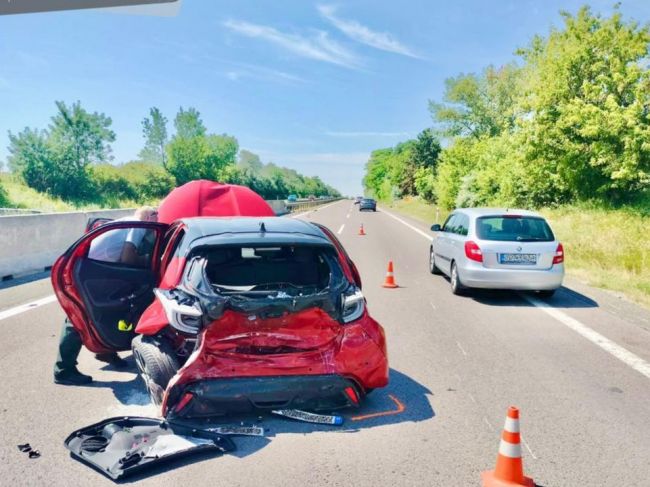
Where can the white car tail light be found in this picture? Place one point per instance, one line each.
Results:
(558, 258)
(353, 306)
(473, 251)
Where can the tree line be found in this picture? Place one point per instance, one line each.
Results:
(71, 159)
(569, 122)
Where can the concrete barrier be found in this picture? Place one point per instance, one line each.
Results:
(31, 243)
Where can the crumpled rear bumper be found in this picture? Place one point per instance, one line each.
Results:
(212, 397)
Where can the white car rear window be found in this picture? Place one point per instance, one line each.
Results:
(512, 228)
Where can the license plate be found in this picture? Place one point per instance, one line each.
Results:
(529, 259)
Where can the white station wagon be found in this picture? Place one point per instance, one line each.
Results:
(497, 249)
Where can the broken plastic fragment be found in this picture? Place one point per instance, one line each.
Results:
(309, 417)
(238, 430)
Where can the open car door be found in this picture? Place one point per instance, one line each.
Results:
(105, 281)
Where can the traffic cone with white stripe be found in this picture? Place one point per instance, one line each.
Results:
(390, 278)
(509, 471)
(361, 230)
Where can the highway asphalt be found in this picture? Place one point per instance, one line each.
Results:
(578, 372)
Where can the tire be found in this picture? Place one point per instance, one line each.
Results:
(156, 362)
(457, 287)
(433, 269)
(546, 293)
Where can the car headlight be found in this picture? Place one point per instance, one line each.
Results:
(354, 305)
(186, 318)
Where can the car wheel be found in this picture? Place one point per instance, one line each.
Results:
(157, 363)
(433, 269)
(547, 293)
(456, 287)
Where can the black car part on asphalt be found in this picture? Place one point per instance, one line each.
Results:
(122, 446)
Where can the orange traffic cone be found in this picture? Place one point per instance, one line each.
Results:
(509, 471)
(390, 279)
(361, 230)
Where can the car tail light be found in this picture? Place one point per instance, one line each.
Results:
(353, 306)
(184, 317)
(473, 251)
(558, 258)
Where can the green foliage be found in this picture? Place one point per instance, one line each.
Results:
(154, 130)
(272, 181)
(57, 160)
(149, 182)
(188, 124)
(4, 197)
(200, 157)
(571, 124)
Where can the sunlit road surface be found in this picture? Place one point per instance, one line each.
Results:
(457, 364)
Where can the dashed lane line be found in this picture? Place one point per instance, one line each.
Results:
(340, 229)
(8, 313)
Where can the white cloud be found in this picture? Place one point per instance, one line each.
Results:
(319, 47)
(360, 33)
(366, 134)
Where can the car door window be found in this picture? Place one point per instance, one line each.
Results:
(462, 225)
(450, 223)
(128, 246)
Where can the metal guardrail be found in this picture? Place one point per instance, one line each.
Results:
(301, 205)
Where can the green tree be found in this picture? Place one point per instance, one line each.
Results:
(588, 105)
(478, 105)
(154, 130)
(188, 124)
(426, 149)
(200, 157)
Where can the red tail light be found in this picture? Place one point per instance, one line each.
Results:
(559, 254)
(473, 251)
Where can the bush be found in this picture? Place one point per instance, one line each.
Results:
(111, 184)
(4, 198)
(148, 181)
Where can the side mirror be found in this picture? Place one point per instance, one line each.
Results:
(436, 228)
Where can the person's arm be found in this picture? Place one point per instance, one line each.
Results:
(130, 254)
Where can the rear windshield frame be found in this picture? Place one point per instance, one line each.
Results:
(548, 237)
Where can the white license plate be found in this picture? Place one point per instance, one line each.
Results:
(529, 259)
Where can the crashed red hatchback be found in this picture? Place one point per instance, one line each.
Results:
(233, 314)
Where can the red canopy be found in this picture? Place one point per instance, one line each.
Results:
(209, 198)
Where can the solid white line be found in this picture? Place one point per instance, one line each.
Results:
(461, 348)
(623, 354)
(341, 229)
(424, 234)
(8, 313)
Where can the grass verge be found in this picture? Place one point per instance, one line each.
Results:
(604, 247)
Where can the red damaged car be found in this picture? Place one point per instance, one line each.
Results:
(233, 314)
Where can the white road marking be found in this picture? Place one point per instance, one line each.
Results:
(527, 447)
(424, 234)
(621, 353)
(340, 229)
(347, 216)
(8, 313)
(432, 305)
(461, 348)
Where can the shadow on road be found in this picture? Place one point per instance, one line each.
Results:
(380, 408)
(563, 298)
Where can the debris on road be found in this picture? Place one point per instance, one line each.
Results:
(309, 417)
(237, 430)
(118, 447)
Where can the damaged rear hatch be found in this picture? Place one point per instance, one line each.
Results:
(270, 306)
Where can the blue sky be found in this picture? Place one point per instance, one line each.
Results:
(310, 85)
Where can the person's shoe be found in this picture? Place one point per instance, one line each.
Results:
(72, 377)
(112, 358)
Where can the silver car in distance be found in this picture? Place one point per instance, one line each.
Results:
(495, 248)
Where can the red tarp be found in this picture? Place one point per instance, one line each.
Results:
(209, 198)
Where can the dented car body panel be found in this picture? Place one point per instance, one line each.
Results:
(262, 313)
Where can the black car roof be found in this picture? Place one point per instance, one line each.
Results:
(238, 230)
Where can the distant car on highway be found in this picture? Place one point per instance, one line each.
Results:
(292, 198)
(497, 249)
(357, 200)
(367, 204)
